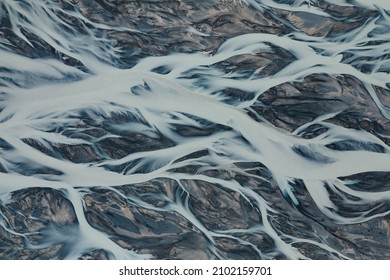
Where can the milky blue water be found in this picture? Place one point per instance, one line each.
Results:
(194, 129)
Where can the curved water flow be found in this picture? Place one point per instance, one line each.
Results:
(174, 129)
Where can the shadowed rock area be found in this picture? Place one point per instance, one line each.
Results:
(37, 213)
(206, 203)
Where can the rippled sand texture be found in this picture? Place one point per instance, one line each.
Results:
(254, 129)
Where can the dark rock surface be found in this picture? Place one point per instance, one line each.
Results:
(219, 222)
